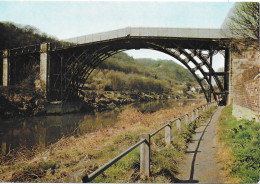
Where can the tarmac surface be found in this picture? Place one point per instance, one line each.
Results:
(200, 164)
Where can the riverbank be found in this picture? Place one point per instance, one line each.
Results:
(17, 102)
(60, 161)
(108, 100)
(20, 102)
(238, 142)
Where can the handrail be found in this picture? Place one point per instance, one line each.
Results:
(153, 134)
(114, 160)
(184, 115)
(170, 123)
(93, 175)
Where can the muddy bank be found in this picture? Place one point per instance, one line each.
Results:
(17, 103)
(14, 105)
(107, 100)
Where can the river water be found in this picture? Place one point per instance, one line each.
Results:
(44, 130)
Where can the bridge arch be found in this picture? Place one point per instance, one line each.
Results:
(80, 64)
(66, 65)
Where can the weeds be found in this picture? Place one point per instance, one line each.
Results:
(243, 139)
(58, 162)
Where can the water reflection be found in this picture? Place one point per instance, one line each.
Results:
(43, 131)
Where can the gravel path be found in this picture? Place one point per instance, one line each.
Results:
(200, 163)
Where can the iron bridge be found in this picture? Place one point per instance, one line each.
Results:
(66, 65)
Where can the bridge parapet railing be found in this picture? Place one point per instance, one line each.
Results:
(25, 50)
(145, 146)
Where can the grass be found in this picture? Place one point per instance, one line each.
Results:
(60, 161)
(164, 159)
(240, 142)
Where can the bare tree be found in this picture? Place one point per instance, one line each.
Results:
(242, 24)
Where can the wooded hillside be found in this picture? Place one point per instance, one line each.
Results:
(122, 72)
(14, 35)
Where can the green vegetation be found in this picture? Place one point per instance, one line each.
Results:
(243, 138)
(122, 79)
(123, 73)
(164, 159)
(13, 35)
(19, 100)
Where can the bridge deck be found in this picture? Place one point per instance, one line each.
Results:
(185, 36)
(149, 32)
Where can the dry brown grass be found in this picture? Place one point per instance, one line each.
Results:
(58, 162)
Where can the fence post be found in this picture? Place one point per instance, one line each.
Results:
(168, 134)
(196, 113)
(192, 116)
(186, 119)
(178, 124)
(145, 155)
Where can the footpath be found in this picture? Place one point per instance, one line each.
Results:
(200, 163)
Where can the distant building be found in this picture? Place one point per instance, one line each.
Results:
(193, 89)
(180, 91)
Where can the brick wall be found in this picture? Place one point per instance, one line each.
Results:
(253, 94)
(245, 80)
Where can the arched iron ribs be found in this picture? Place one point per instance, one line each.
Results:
(204, 58)
(79, 63)
(76, 66)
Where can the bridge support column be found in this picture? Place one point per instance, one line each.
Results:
(210, 73)
(6, 68)
(44, 68)
(228, 76)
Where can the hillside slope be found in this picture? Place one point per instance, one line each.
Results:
(14, 35)
(122, 72)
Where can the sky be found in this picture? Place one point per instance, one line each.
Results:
(66, 19)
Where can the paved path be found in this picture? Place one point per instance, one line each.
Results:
(199, 163)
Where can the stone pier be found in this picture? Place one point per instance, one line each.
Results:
(44, 59)
(6, 68)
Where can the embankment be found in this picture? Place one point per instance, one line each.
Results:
(15, 102)
(60, 161)
(239, 142)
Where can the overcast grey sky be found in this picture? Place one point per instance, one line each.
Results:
(69, 19)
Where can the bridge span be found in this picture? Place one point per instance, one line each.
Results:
(66, 65)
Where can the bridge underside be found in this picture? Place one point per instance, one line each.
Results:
(65, 67)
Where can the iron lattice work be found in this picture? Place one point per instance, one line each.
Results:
(70, 64)
(73, 65)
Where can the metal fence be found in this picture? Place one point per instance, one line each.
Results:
(145, 146)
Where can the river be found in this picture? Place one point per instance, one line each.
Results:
(42, 131)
